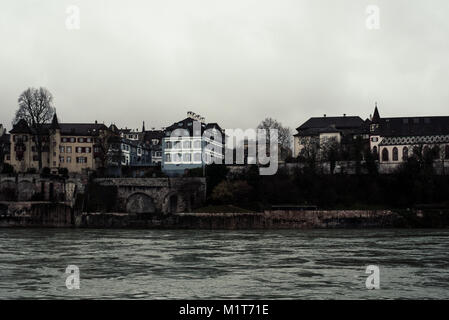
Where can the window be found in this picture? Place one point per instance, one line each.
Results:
(187, 157)
(405, 154)
(167, 157)
(61, 159)
(78, 149)
(69, 149)
(72, 139)
(374, 139)
(197, 157)
(385, 154)
(177, 145)
(35, 158)
(61, 149)
(186, 145)
(168, 145)
(89, 140)
(81, 160)
(69, 159)
(436, 152)
(395, 154)
(88, 150)
(81, 140)
(197, 144)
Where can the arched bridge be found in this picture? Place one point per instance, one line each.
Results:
(153, 196)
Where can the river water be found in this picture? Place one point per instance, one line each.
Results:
(200, 264)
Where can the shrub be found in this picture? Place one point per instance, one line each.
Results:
(45, 172)
(7, 168)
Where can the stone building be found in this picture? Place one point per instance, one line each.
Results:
(135, 153)
(4, 145)
(153, 141)
(74, 146)
(320, 130)
(394, 140)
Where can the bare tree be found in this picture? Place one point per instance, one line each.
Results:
(284, 135)
(108, 148)
(36, 108)
(310, 151)
(331, 152)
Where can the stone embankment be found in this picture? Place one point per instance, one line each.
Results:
(49, 214)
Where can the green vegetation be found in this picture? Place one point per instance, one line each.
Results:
(413, 184)
(7, 168)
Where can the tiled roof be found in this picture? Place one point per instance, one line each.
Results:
(79, 129)
(345, 122)
(414, 126)
(21, 127)
(187, 124)
(153, 134)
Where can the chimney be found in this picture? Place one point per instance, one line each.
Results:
(325, 115)
(344, 114)
(96, 122)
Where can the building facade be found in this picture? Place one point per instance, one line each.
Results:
(394, 140)
(4, 145)
(153, 141)
(74, 146)
(191, 143)
(318, 131)
(135, 153)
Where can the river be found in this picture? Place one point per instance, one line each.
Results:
(203, 264)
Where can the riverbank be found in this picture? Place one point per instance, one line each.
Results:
(48, 214)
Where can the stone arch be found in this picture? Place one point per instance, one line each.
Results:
(26, 190)
(8, 190)
(140, 203)
(172, 202)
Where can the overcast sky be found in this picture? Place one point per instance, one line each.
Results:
(234, 62)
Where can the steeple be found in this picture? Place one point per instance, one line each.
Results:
(376, 116)
(143, 126)
(54, 122)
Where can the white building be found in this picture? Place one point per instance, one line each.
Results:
(191, 143)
